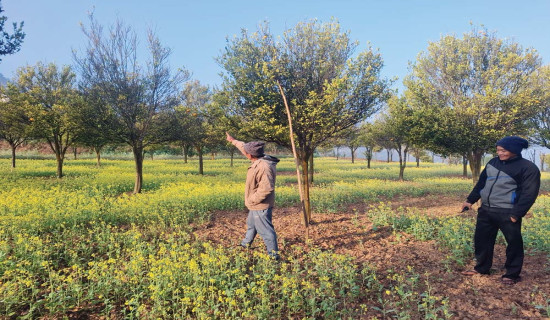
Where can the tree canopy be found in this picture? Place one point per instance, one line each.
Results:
(139, 97)
(10, 43)
(328, 87)
(54, 106)
(473, 90)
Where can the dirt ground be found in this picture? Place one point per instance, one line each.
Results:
(475, 297)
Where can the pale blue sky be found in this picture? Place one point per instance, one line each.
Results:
(196, 30)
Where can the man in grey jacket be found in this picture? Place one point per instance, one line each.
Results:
(507, 187)
(259, 196)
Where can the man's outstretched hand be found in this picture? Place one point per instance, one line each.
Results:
(229, 137)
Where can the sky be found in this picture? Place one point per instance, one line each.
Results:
(197, 31)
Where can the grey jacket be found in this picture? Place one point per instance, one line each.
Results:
(510, 187)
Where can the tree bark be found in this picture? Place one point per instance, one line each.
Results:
(352, 155)
(199, 151)
(368, 155)
(57, 147)
(231, 165)
(418, 162)
(305, 186)
(138, 158)
(475, 158)
(74, 152)
(305, 219)
(402, 162)
(310, 171)
(13, 147)
(388, 153)
(465, 166)
(98, 156)
(59, 157)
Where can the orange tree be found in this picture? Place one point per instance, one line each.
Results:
(473, 91)
(329, 87)
(140, 98)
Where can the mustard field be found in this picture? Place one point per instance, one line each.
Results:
(82, 246)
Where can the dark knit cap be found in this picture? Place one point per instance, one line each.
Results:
(514, 144)
(255, 148)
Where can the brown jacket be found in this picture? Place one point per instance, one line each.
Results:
(259, 192)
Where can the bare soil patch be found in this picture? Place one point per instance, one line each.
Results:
(476, 297)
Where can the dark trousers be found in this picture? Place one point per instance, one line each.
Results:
(488, 224)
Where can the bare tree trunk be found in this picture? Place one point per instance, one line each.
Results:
(13, 147)
(402, 163)
(75, 152)
(59, 158)
(533, 155)
(352, 155)
(98, 156)
(212, 156)
(310, 171)
(368, 155)
(475, 158)
(201, 167)
(465, 166)
(57, 147)
(137, 149)
(418, 161)
(542, 156)
(305, 216)
(337, 152)
(185, 149)
(306, 185)
(232, 155)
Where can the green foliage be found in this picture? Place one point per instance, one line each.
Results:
(138, 101)
(327, 89)
(472, 91)
(393, 129)
(14, 120)
(313, 67)
(53, 106)
(10, 43)
(407, 297)
(452, 233)
(540, 124)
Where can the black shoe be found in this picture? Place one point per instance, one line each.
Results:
(276, 258)
(243, 246)
(510, 281)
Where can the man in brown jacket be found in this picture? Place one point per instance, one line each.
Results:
(259, 195)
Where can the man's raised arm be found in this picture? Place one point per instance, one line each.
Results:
(236, 143)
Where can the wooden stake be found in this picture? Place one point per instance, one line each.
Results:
(305, 218)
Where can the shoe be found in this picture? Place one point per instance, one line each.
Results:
(472, 272)
(242, 246)
(509, 281)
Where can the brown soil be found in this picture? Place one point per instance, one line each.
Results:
(475, 297)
